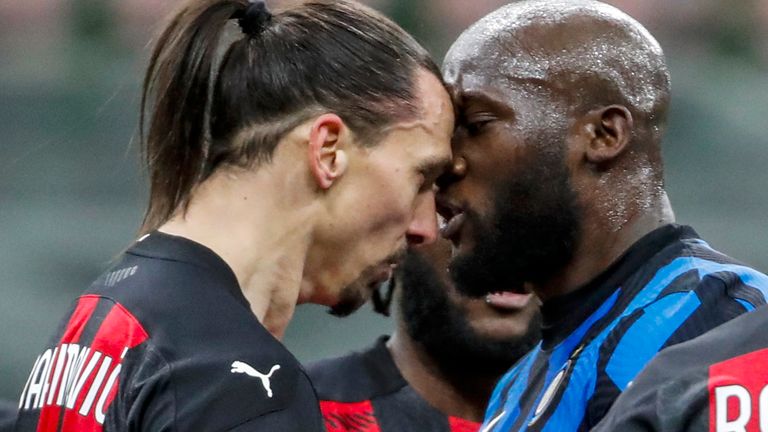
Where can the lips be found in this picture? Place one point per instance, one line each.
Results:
(453, 219)
(452, 228)
(508, 300)
(381, 274)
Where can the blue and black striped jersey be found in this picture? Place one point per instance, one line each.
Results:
(716, 382)
(668, 288)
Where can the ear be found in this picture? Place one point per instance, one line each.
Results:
(327, 160)
(608, 133)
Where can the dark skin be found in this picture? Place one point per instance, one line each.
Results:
(464, 393)
(465, 398)
(612, 148)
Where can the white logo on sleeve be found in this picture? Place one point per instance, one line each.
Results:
(245, 368)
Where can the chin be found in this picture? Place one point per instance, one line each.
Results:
(501, 328)
(350, 299)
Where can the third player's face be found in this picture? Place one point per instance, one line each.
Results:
(461, 334)
(496, 316)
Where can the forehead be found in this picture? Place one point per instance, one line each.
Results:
(434, 126)
(473, 86)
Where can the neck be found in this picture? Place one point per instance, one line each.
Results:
(598, 247)
(464, 396)
(261, 230)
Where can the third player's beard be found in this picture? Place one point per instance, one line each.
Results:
(531, 233)
(441, 327)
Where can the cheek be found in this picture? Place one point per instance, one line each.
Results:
(387, 210)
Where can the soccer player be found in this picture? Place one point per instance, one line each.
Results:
(291, 163)
(438, 369)
(557, 186)
(716, 382)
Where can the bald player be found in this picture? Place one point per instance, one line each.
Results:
(557, 186)
(438, 369)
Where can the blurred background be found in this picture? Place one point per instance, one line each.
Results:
(72, 192)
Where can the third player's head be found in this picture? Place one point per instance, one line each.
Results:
(332, 93)
(561, 108)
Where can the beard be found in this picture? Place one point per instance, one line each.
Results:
(530, 234)
(350, 300)
(440, 326)
(356, 294)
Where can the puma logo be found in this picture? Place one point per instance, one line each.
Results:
(245, 368)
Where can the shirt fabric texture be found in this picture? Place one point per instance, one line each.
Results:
(166, 341)
(716, 382)
(668, 288)
(365, 392)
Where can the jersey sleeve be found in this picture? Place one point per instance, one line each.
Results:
(660, 400)
(210, 393)
(708, 383)
(675, 317)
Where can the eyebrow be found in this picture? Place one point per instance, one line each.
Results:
(433, 167)
(478, 96)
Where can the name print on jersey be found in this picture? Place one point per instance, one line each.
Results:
(74, 382)
(738, 394)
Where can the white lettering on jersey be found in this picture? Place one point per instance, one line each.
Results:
(37, 379)
(81, 374)
(60, 359)
(245, 368)
(65, 371)
(739, 423)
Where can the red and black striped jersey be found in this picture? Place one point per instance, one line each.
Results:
(166, 341)
(716, 382)
(365, 392)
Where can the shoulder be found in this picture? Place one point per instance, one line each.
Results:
(679, 387)
(701, 282)
(216, 373)
(357, 376)
(707, 263)
(220, 387)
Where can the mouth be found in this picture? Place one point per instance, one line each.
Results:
(451, 220)
(382, 273)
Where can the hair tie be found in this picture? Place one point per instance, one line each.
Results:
(254, 19)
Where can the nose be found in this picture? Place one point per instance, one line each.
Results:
(423, 227)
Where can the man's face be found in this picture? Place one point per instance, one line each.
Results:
(385, 201)
(513, 216)
(462, 333)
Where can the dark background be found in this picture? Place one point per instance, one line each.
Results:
(71, 192)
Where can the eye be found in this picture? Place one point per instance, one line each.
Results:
(475, 128)
(475, 123)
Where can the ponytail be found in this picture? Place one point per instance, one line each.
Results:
(176, 95)
(319, 56)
